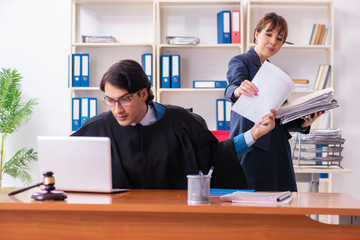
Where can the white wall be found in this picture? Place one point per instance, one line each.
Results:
(347, 85)
(35, 40)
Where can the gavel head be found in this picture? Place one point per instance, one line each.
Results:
(49, 181)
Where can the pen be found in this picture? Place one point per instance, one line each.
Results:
(210, 171)
(283, 196)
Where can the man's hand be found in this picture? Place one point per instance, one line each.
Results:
(265, 125)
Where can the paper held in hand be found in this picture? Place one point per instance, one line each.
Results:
(274, 86)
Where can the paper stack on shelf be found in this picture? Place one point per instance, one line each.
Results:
(177, 40)
(319, 147)
(318, 101)
(97, 39)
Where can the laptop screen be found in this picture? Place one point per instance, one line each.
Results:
(78, 163)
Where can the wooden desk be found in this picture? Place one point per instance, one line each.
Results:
(156, 214)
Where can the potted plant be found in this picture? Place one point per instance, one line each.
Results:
(13, 114)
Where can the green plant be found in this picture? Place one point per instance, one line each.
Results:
(13, 114)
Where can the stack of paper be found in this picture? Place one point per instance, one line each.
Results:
(325, 133)
(97, 39)
(318, 101)
(182, 40)
(258, 197)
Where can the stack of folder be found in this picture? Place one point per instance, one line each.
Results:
(318, 101)
(223, 111)
(228, 26)
(83, 108)
(80, 70)
(170, 71)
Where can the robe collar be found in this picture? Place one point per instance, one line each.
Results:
(154, 113)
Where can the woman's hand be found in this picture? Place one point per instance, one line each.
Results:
(308, 120)
(246, 88)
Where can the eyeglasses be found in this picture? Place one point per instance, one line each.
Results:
(122, 101)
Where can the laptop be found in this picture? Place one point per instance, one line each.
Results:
(79, 164)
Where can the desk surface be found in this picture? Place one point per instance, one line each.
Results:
(172, 201)
(164, 214)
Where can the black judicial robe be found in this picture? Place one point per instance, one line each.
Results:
(159, 156)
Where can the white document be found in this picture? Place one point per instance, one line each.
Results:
(274, 87)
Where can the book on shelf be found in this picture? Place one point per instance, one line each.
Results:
(301, 84)
(283, 197)
(319, 34)
(300, 81)
(322, 77)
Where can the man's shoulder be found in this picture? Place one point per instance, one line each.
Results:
(181, 114)
(99, 119)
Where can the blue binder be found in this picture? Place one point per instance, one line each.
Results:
(224, 26)
(84, 107)
(209, 84)
(76, 114)
(146, 61)
(227, 115)
(92, 107)
(84, 70)
(220, 114)
(175, 71)
(76, 70)
(165, 71)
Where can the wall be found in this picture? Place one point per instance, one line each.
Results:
(35, 40)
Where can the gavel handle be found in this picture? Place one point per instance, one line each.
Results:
(24, 189)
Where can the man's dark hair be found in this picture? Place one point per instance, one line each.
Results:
(128, 74)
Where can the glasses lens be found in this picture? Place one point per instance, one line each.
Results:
(125, 101)
(109, 102)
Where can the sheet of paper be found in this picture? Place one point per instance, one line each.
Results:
(274, 87)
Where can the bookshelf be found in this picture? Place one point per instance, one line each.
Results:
(148, 22)
(205, 61)
(110, 18)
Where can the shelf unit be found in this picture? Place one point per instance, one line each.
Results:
(148, 22)
(205, 61)
(110, 18)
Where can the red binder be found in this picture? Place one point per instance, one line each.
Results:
(235, 26)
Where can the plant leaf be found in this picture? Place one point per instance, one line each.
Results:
(18, 165)
(13, 114)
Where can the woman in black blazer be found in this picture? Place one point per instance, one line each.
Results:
(268, 167)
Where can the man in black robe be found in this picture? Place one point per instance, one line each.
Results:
(155, 146)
